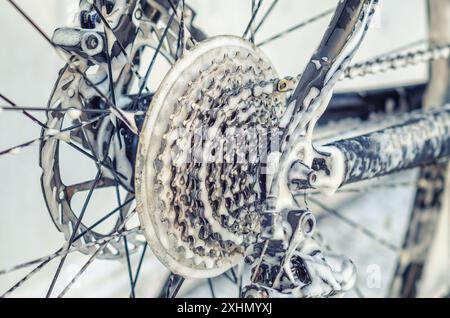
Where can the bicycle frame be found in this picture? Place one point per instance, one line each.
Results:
(419, 141)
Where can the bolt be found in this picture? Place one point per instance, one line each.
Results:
(308, 224)
(249, 260)
(282, 84)
(91, 42)
(138, 14)
(312, 178)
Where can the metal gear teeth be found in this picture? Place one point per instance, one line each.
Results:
(210, 97)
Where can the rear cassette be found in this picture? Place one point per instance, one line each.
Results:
(200, 210)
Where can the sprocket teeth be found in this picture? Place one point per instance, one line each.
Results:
(211, 208)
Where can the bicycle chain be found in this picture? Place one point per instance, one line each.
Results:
(378, 65)
(398, 61)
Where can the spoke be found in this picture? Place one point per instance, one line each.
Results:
(107, 216)
(172, 5)
(234, 275)
(25, 278)
(116, 183)
(61, 252)
(250, 25)
(81, 271)
(232, 279)
(397, 50)
(158, 48)
(211, 288)
(181, 43)
(45, 260)
(266, 244)
(174, 284)
(125, 241)
(296, 27)
(97, 161)
(24, 111)
(52, 133)
(84, 123)
(266, 15)
(111, 78)
(370, 188)
(74, 232)
(357, 226)
(240, 280)
(138, 270)
(16, 149)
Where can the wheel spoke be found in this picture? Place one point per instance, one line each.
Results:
(356, 226)
(60, 252)
(25, 278)
(174, 284)
(97, 161)
(24, 111)
(61, 135)
(175, 11)
(266, 15)
(234, 275)
(232, 279)
(64, 252)
(74, 232)
(155, 54)
(125, 241)
(211, 288)
(82, 270)
(370, 188)
(110, 72)
(138, 270)
(296, 27)
(250, 25)
(399, 49)
(181, 43)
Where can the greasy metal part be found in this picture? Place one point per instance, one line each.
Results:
(310, 272)
(428, 202)
(200, 212)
